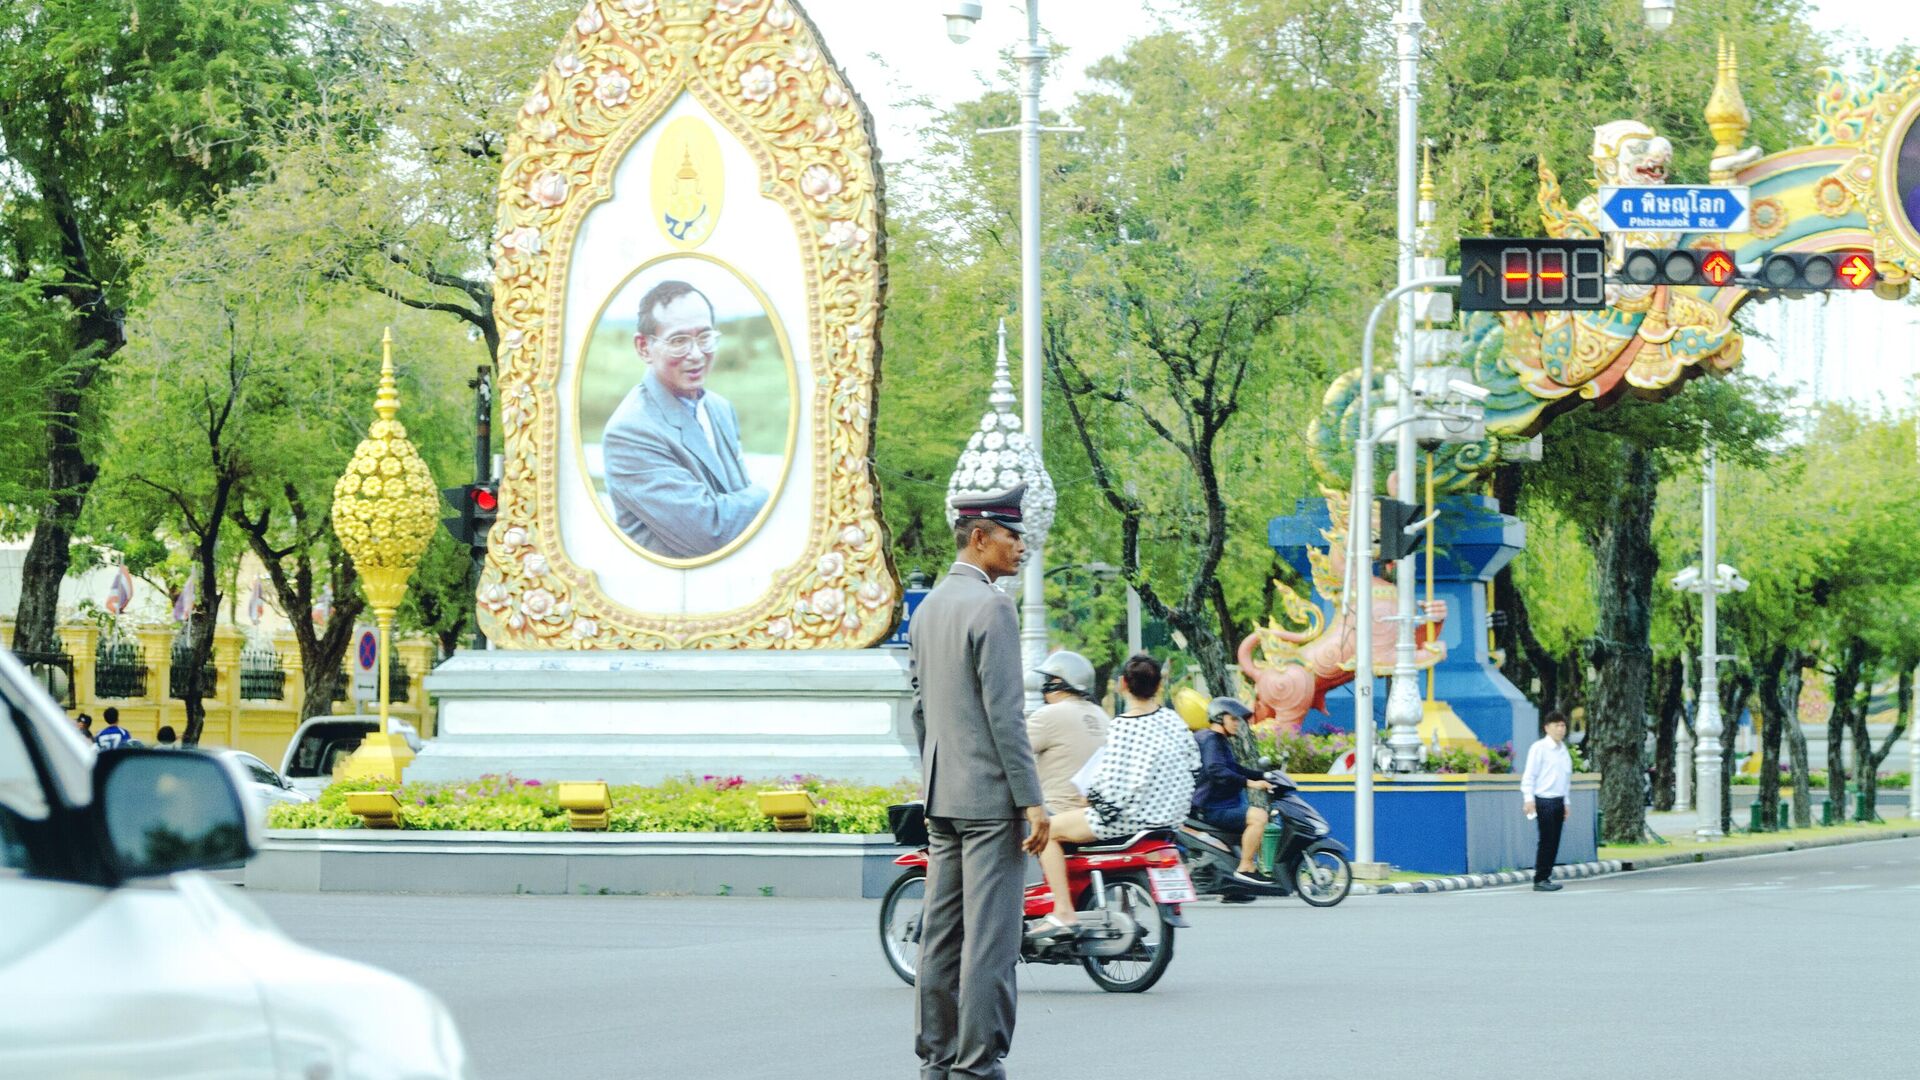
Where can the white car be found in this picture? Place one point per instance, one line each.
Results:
(266, 786)
(117, 960)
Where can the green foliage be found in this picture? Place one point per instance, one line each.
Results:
(687, 804)
(1556, 576)
(1306, 754)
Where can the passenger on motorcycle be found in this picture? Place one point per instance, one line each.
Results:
(1143, 780)
(1067, 729)
(1220, 797)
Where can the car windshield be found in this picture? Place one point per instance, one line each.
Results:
(258, 770)
(20, 791)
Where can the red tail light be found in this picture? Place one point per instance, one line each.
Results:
(1164, 856)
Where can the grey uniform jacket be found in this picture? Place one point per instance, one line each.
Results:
(673, 492)
(968, 698)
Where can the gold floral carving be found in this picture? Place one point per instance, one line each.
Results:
(1768, 217)
(1870, 176)
(757, 66)
(1832, 198)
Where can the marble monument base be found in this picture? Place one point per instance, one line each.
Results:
(641, 717)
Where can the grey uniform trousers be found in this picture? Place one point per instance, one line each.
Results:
(969, 948)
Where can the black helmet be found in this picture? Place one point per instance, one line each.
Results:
(1226, 706)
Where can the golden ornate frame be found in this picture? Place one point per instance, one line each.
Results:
(793, 407)
(757, 66)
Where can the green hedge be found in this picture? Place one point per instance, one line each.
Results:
(687, 804)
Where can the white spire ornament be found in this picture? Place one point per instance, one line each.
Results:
(999, 455)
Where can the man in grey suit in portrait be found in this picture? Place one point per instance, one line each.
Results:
(980, 783)
(672, 448)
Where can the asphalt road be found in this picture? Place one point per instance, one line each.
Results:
(1797, 965)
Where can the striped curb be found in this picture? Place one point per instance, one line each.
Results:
(1486, 881)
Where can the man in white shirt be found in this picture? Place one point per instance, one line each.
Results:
(1545, 785)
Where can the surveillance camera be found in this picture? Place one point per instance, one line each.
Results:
(1471, 391)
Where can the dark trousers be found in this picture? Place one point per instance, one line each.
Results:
(1551, 814)
(969, 948)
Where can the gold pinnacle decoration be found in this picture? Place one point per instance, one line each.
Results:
(1426, 173)
(1486, 208)
(686, 24)
(385, 508)
(1727, 115)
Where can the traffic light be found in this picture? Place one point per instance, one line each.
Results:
(1815, 272)
(476, 506)
(1783, 272)
(1399, 528)
(1677, 266)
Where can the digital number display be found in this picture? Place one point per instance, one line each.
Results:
(1530, 274)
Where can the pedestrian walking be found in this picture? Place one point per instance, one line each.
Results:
(979, 781)
(1545, 786)
(84, 722)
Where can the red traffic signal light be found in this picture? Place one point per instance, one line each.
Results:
(484, 499)
(1717, 268)
(1857, 270)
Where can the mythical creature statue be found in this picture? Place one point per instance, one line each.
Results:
(1292, 670)
(1650, 334)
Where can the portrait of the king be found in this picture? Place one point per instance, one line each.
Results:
(691, 379)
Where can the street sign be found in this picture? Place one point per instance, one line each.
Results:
(1532, 274)
(1672, 208)
(366, 666)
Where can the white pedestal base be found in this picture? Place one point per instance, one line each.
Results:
(641, 717)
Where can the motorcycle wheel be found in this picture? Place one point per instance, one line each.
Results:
(1141, 966)
(1323, 878)
(900, 913)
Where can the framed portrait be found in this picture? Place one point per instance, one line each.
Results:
(690, 274)
(686, 395)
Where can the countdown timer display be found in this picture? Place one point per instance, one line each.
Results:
(1532, 274)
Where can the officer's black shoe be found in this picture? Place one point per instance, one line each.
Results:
(1547, 886)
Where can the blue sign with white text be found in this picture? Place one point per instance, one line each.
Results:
(909, 599)
(1673, 208)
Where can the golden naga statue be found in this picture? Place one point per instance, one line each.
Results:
(1650, 334)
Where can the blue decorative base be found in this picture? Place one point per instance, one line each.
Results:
(1474, 542)
(1454, 824)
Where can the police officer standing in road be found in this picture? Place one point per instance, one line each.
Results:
(979, 780)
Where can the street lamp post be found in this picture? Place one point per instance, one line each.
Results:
(961, 16)
(1708, 727)
(1403, 695)
(1359, 590)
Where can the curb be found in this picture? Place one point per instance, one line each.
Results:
(1614, 866)
(1777, 847)
(1487, 881)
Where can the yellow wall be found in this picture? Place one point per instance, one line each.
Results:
(261, 728)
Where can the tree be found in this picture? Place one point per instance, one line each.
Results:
(271, 366)
(109, 108)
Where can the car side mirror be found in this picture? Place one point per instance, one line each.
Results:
(161, 812)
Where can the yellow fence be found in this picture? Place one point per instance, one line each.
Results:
(261, 727)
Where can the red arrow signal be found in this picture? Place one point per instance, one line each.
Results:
(1857, 270)
(1717, 268)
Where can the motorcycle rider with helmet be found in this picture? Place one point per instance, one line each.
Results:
(1220, 795)
(1067, 729)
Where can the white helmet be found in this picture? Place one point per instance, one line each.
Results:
(1067, 668)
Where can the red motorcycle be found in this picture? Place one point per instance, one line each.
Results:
(1128, 894)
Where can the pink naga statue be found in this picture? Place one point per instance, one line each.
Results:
(1292, 670)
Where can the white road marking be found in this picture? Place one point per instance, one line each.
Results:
(1842, 888)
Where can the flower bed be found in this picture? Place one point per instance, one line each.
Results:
(1313, 755)
(688, 804)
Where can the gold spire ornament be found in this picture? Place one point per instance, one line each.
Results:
(1727, 116)
(385, 508)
